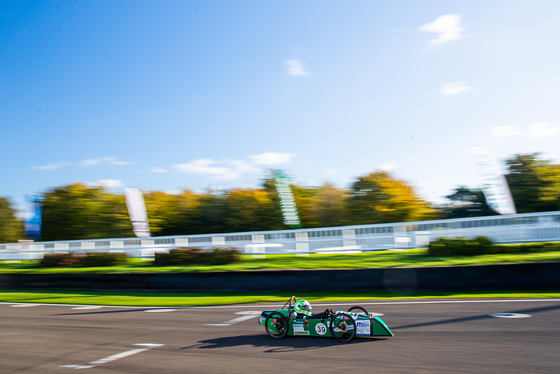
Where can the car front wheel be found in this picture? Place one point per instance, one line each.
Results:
(276, 325)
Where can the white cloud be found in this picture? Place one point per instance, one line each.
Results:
(505, 131)
(104, 160)
(158, 170)
(542, 130)
(454, 88)
(242, 166)
(232, 169)
(205, 166)
(53, 166)
(536, 130)
(296, 68)
(388, 166)
(447, 27)
(107, 183)
(271, 158)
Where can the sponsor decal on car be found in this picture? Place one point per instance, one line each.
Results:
(321, 329)
(298, 328)
(301, 332)
(363, 328)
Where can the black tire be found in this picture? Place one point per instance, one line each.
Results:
(342, 327)
(276, 325)
(361, 309)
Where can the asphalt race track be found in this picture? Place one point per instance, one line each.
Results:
(430, 337)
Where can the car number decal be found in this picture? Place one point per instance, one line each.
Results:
(321, 329)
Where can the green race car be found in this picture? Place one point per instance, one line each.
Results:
(341, 325)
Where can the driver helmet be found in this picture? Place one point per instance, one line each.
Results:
(302, 306)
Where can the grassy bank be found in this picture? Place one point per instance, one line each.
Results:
(381, 259)
(183, 299)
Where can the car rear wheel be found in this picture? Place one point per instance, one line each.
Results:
(358, 309)
(343, 327)
(276, 325)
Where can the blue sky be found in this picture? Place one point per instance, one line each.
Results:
(171, 95)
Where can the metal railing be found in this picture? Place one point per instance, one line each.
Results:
(515, 228)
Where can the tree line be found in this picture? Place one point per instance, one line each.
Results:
(78, 211)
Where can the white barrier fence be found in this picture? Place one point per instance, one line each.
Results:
(515, 228)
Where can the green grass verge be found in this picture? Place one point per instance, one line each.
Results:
(381, 259)
(182, 299)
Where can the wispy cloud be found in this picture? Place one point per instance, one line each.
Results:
(388, 166)
(271, 158)
(107, 183)
(447, 28)
(296, 68)
(536, 130)
(208, 167)
(542, 130)
(241, 166)
(506, 131)
(158, 170)
(103, 160)
(53, 166)
(454, 88)
(232, 169)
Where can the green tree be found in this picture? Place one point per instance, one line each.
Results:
(80, 212)
(380, 198)
(11, 228)
(466, 202)
(534, 183)
(208, 215)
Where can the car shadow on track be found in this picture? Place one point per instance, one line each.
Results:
(270, 345)
(474, 318)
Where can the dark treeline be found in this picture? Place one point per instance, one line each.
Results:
(80, 212)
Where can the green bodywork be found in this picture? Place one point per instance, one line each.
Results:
(365, 325)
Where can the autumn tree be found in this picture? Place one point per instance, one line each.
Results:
(327, 207)
(168, 213)
(250, 210)
(380, 198)
(303, 197)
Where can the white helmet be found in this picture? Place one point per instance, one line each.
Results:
(302, 306)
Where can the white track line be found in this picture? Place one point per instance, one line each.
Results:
(235, 320)
(114, 357)
(240, 306)
(86, 307)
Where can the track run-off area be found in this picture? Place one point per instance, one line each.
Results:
(431, 336)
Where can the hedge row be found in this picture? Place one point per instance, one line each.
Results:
(88, 259)
(483, 246)
(192, 256)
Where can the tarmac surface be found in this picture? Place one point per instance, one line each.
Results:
(462, 336)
